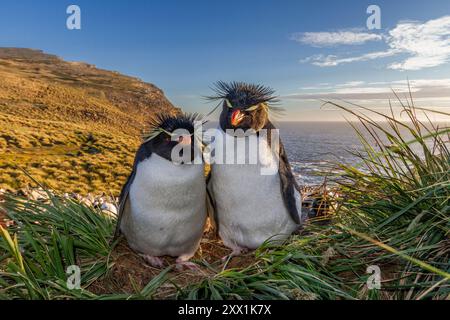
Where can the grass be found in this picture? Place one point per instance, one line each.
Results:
(53, 237)
(391, 211)
(400, 202)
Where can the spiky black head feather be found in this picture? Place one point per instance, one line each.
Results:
(164, 136)
(170, 123)
(243, 95)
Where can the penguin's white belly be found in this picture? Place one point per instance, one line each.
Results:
(250, 207)
(167, 210)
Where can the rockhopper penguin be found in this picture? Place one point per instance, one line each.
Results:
(162, 210)
(250, 207)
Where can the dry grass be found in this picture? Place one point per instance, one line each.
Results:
(69, 124)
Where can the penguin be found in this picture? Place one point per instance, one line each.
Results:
(162, 207)
(250, 207)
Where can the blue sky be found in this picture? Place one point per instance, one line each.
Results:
(306, 50)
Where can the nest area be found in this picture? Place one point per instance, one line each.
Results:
(130, 271)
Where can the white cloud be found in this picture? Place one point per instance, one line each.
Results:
(325, 39)
(372, 90)
(327, 86)
(428, 44)
(351, 84)
(332, 60)
(417, 83)
(421, 88)
(425, 44)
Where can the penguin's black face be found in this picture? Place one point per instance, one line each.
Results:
(245, 106)
(245, 118)
(174, 131)
(163, 145)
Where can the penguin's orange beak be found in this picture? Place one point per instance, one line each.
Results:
(186, 140)
(236, 117)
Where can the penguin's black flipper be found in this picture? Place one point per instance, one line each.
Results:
(122, 202)
(288, 185)
(144, 152)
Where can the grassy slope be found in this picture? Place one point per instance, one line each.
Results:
(71, 125)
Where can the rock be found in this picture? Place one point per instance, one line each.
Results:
(38, 195)
(316, 202)
(3, 221)
(90, 198)
(9, 223)
(327, 255)
(103, 203)
(86, 202)
(110, 208)
(107, 207)
(76, 196)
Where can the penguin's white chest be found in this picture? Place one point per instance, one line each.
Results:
(249, 204)
(167, 210)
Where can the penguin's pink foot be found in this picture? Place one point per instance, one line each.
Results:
(237, 251)
(155, 262)
(182, 265)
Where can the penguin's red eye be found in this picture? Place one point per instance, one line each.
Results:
(185, 140)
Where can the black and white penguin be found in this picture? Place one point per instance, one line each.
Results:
(251, 207)
(162, 210)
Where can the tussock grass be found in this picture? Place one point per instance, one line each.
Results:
(391, 211)
(399, 203)
(47, 239)
(295, 270)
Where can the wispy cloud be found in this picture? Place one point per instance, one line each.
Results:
(325, 39)
(352, 84)
(357, 90)
(332, 60)
(424, 44)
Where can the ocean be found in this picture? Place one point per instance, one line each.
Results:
(313, 146)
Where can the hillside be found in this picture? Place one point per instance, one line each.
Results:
(72, 126)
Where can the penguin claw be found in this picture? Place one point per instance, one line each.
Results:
(155, 262)
(181, 265)
(236, 252)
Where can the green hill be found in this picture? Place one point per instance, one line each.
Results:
(72, 126)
